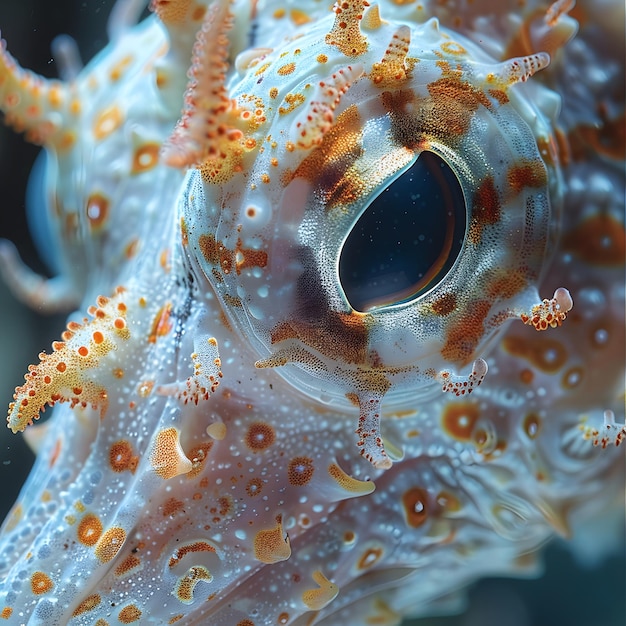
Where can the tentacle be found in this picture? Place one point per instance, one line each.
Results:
(550, 313)
(46, 295)
(37, 106)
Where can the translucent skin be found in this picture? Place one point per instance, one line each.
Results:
(253, 504)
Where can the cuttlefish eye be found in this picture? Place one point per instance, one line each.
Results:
(408, 237)
(371, 228)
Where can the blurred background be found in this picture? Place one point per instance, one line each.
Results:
(568, 593)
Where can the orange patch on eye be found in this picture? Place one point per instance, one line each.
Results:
(527, 174)
(464, 334)
(444, 305)
(485, 209)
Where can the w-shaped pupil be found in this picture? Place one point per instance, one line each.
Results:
(407, 239)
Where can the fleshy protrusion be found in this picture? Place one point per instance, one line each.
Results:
(520, 69)
(321, 596)
(610, 433)
(346, 33)
(64, 375)
(37, 106)
(209, 133)
(46, 295)
(550, 313)
(392, 68)
(206, 374)
(370, 441)
(464, 385)
(317, 119)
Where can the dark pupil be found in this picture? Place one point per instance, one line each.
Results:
(407, 239)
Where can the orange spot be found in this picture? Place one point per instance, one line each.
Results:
(286, 69)
(88, 604)
(55, 453)
(107, 122)
(89, 529)
(110, 544)
(526, 376)
(161, 324)
(415, 502)
(83, 351)
(300, 471)
(145, 388)
(128, 564)
(459, 419)
(7, 611)
(260, 436)
(164, 260)
(254, 487)
(120, 67)
(40, 583)
(121, 457)
(129, 614)
(572, 377)
(191, 548)
(145, 158)
(369, 558)
(171, 506)
(184, 233)
(97, 210)
(532, 425)
(131, 248)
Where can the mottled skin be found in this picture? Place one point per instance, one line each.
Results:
(201, 464)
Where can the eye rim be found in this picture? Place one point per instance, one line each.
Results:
(461, 171)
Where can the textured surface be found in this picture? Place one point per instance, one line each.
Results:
(168, 460)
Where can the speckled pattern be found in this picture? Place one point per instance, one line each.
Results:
(201, 464)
